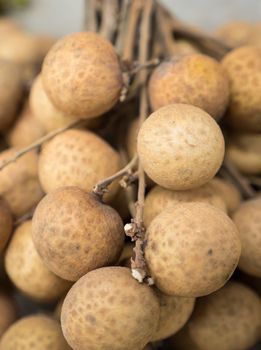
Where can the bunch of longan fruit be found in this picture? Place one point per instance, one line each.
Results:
(83, 266)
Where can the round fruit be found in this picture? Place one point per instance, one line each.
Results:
(19, 184)
(228, 319)
(27, 271)
(160, 198)
(192, 249)
(248, 221)
(243, 66)
(6, 223)
(118, 312)
(44, 111)
(75, 233)
(236, 33)
(82, 75)
(7, 25)
(184, 47)
(174, 313)
(193, 79)
(8, 312)
(180, 147)
(77, 158)
(34, 332)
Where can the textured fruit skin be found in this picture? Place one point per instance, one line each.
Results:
(8, 312)
(243, 67)
(6, 223)
(174, 313)
(113, 306)
(27, 271)
(193, 79)
(248, 221)
(77, 158)
(34, 332)
(11, 89)
(180, 147)
(74, 233)
(159, 198)
(82, 76)
(19, 184)
(192, 249)
(228, 319)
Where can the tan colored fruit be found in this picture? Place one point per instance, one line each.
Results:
(44, 111)
(113, 306)
(228, 319)
(77, 158)
(192, 249)
(26, 129)
(75, 233)
(229, 193)
(244, 152)
(7, 25)
(6, 223)
(174, 313)
(248, 221)
(19, 184)
(194, 79)
(243, 67)
(11, 85)
(159, 198)
(82, 75)
(27, 271)
(184, 47)
(8, 312)
(180, 147)
(236, 33)
(126, 254)
(44, 44)
(34, 332)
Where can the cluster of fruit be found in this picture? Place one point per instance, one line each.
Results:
(62, 242)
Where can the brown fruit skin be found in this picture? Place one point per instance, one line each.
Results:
(228, 319)
(113, 306)
(235, 33)
(77, 158)
(82, 75)
(11, 89)
(19, 184)
(8, 312)
(192, 249)
(174, 313)
(248, 221)
(34, 332)
(44, 111)
(6, 223)
(193, 79)
(74, 233)
(27, 271)
(159, 198)
(184, 47)
(243, 67)
(180, 147)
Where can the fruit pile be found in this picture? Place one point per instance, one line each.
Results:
(130, 171)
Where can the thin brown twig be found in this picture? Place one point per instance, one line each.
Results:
(165, 31)
(109, 19)
(123, 20)
(90, 16)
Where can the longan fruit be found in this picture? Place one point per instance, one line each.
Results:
(44, 111)
(248, 221)
(174, 313)
(180, 147)
(159, 198)
(194, 79)
(77, 158)
(244, 151)
(75, 233)
(7, 25)
(184, 47)
(243, 67)
(26, 129)
(39, 332)
(228, 319)
(82, 75)
(6, 223)
(19, 184)
(8, 311)
(230, 194)
(11, 90)
(235, 33)
(119, 313)
(27, 271)
(192, 249)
